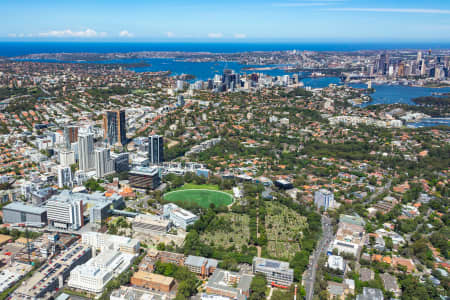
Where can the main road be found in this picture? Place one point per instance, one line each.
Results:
(322, 246)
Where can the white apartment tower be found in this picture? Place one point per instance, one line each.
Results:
(104, 165)
(64, 177)
(324, 198)
(86, 151)
(66, 158)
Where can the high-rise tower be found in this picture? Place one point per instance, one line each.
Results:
(86, 151)
(156, 149)
(114, 126)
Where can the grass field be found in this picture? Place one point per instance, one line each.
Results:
(235, 233)
(203, 197)
(192, 186)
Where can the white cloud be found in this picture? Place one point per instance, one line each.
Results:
(170, 34)
(215, 35)
(88, 33)
(240, 36)
(18, 35)
(393, 10)
(125, 33)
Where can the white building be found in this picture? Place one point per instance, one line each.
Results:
(275, 271)
(104, 165)
(95, 274)
(86, 151)
(345, 247)
(336, 262)
(324, 198)
(105, 241)
(180, 217)
(64, 177)
(66, 158)
(65, 213)
(89, 278)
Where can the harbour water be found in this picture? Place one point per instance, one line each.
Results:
(384, 93)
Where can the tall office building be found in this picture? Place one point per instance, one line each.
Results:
(114, 126)
(383, 64)
(64, 177)
(156, 149)
(86, 151)
(423, 68)
(70, 135)
(104, 165)
(419, 56)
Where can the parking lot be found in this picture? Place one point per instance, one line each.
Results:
(47, 277)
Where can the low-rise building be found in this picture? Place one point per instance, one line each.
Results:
(152, 281)
(171, 257)
(17, 212)
(229, 284)
(180, 217)
(144, 178)
(336, 262)
(276, 272)
(97, 272)
(150, 223)
(130, 293)
(370, 294)
(201, 266)
(105, 241)
(350, 239)
(283, 184)
(89, 278)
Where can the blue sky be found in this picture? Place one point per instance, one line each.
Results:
(218, 20)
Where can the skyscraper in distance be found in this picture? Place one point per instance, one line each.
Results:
(156, 149)
(115, 127)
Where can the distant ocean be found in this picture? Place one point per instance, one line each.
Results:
(11, 49)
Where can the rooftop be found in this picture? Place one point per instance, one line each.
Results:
(145, 171)
(271, 264)
(153, 277)
(220, 280)
(151, 219)
(18, 206)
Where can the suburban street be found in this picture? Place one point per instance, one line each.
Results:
(323, 244)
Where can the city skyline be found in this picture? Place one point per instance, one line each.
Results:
(197, 21)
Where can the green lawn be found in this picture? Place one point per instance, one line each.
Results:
(192, 186)
(203, 197)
